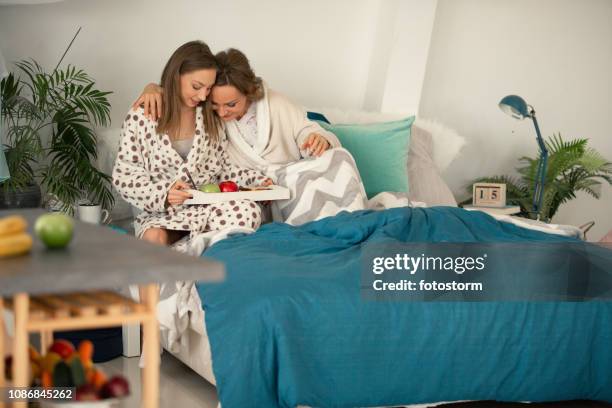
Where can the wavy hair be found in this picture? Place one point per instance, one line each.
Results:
(234, 69)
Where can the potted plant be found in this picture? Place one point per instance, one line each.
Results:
(572, 167)
(49, 120)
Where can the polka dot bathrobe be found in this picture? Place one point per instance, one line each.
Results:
(147, 166)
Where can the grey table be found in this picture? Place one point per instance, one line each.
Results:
(98, 258)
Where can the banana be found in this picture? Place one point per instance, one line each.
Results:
(12, 224)
(16, 244)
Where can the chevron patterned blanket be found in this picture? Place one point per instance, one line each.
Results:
(320, 187)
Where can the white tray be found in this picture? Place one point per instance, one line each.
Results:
(269, 194)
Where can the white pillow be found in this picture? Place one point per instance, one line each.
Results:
(447, 143)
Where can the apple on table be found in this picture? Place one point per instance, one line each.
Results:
(54, 229)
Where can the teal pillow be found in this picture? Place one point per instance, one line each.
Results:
(380, 151)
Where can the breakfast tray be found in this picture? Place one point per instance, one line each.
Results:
(270, 193)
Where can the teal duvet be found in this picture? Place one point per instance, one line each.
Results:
(289, 326)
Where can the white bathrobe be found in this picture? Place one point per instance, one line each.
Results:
(282, 128)
(319, 187)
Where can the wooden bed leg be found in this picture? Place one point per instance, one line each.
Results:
(150, 376)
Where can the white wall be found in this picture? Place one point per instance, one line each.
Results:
(557, 54)
(398, 62)
(319, 53)
(299, 47)
(413, 21)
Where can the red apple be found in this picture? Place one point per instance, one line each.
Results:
(62, 347)
(116, 387)
(228, 187)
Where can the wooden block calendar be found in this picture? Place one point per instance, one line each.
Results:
(489, 194)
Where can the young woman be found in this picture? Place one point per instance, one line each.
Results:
(158, 161)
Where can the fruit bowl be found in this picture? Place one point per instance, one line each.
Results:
(67, 366)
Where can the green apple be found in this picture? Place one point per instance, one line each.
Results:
(54, 229)
(210, 188)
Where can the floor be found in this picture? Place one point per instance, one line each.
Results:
(180, 387)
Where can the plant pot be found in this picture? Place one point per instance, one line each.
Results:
(29, 197)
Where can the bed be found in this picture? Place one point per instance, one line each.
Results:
(286, 333)
(322, 386)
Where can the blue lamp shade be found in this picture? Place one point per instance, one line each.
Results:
(514, 106)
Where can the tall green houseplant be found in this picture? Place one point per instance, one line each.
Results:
(573, 166)
(49, 118)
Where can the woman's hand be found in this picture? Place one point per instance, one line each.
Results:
(267, 182)
(316, 144)
(151, 98)
(177, 195)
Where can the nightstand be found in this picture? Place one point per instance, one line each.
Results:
(507, 210)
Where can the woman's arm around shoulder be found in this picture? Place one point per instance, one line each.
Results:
(151, 100)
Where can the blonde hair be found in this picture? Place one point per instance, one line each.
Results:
(189, 57)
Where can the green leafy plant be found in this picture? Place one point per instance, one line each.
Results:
(572, 167)
(49, 120)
